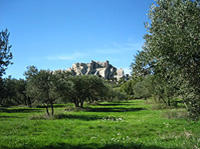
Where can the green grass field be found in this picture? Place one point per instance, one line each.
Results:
(117, 125)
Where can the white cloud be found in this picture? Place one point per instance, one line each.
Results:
(106, 52)
(117, 48)
(72, 56)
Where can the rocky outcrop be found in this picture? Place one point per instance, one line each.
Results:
(101, 69)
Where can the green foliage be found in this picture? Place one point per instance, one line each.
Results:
(5, 54)
(31, 72)
(46, 87)
(151, 81)
(13, 92)
(173, 42)
(2, 91)
(127, 87)
(44, 84)
(165, 91)
(64, 86)
(5, 59)
(115, 94)
(42, 87)
(171, 51)
(138, 87)
(142, 65)
(144, 88)
(87, 87)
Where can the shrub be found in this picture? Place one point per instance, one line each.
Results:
(176, 114)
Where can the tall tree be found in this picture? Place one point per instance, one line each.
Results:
(173, 44)
(5, 54)
(5, 57)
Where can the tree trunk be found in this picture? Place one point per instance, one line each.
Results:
(91, 100)
(29, 102)
(52, 109)
(169, 102)
(25, 101)
(81, 104)
(47, 110)
(76, 103)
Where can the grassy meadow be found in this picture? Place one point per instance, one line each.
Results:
(132, 124)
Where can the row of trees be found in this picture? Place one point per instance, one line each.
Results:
(171, 53)
(45, 87)
(48, 87)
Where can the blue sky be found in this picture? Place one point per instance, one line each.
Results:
(54, 34)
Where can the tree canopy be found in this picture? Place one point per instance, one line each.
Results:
(5, 53)
(172, 49)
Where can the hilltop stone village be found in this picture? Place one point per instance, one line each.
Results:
(101, 69)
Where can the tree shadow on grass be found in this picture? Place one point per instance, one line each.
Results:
(115, 104)
(79, 117)
(113, 109)
(5, 117)
(92, 146)
(19, 110)
(55, 106)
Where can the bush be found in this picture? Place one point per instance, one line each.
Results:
(116, 95)
(176, 114)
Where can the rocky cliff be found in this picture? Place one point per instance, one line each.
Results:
(101, 69)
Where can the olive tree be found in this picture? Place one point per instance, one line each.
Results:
(41, 86)
(173, 44)
(44, 83)
(87, 88)
(45, 86)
